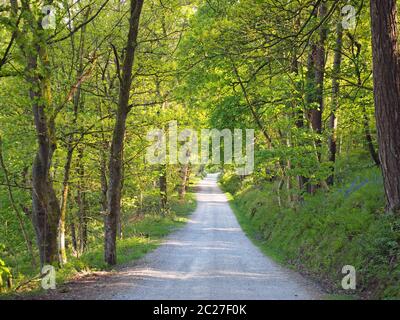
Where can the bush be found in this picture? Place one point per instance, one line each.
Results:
(5, 276)
(231, 182)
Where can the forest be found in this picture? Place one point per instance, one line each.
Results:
(83, 82)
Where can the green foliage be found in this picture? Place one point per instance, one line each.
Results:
(5, 273)
(82, 74)
(231, 183)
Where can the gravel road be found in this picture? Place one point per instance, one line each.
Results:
(210, 258)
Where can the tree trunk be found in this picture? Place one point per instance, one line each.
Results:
(184, 180)
(64, 200)
(163, 189)
(115, 165)
(315, 84)
(298, 111)
(368, 137)
(337, 61)
(114, 188)
(104, 184)
(45, 207)
(104, 145)
(81, 201)
(386, 68)
(73, 237)
(309, 100)
(316, 113)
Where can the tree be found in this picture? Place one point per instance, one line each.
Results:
(386, 69)
(332, 143)
(117, 144)
(45, 207)
(316, 76)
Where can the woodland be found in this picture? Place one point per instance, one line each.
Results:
(82, 82)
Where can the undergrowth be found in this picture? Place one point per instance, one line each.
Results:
(346, 225)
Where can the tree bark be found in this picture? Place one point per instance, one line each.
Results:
(368, 137)
(316, 113)
(298, 111)
(184, 173)
(315, 83)
(64, 200)
(45, 207)
(73, 237)
(337, 61)
(81, 201)
(115, 164)
(386, 69)
(162, 181)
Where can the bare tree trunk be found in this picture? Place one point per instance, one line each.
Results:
(115, 165)
(387, 95)
(337, 61)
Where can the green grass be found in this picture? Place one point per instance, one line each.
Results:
(345, 226)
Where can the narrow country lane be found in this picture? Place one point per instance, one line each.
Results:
(210, 258)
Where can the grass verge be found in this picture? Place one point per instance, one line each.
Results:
(345, 226)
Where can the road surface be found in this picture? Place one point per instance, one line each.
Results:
(209, 258)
